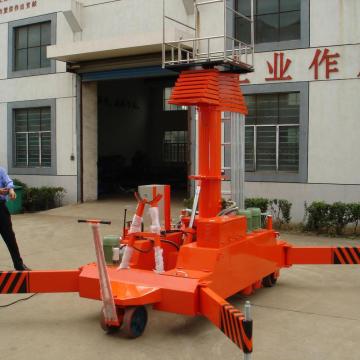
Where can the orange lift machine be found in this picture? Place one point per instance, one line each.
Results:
(192, 267)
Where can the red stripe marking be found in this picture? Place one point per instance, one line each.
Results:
(348, 258)
(2, 277)
(19, 283)
(247, 341)
(9, 282)
(353, 252)
(227, 321)
(354, 259)
(339, 256)
(238, 318)
(233, 325)
(357, 251)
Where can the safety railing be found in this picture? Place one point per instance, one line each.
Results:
(217, 49)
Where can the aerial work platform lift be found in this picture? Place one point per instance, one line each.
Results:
(193, 266)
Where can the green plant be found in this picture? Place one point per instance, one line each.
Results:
(285, 207)
(354, 209)
(261, 203)
(317, 216)
(43, 198)
(339, 217)
(281, 209)
(331, 218)
(18, 182)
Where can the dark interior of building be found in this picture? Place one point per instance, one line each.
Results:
(141, 138)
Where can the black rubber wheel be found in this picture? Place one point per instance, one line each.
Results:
(135, 320)
(269, 281)
(108, 329)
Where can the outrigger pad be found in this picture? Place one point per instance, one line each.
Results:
(229, 320)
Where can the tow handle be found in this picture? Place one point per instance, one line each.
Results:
(95, 221)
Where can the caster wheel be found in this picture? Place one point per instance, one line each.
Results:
(135, 320)
(269, 281)
(108, 329)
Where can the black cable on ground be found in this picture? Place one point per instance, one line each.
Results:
(17, 301)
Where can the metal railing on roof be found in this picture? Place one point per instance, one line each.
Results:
(195, 49)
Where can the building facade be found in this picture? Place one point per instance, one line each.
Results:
(83, 97)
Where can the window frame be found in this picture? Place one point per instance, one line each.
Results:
(171, 107)
(51, 103)
(29, 133)
(283, 176)
(276, 124)
(12, 73)
(303, 42)
(277, 145)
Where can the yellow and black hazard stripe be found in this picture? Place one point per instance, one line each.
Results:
(236, 328)
(14, 282)
(346, 255)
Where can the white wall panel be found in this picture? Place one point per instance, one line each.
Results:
(3, 52)
(66, 136)
(334, 22)
(42, 7)
(90, 141)
(334, 132)
(37, 87)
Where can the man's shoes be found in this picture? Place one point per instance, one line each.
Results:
(22, 267)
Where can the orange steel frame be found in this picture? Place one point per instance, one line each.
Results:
(221, 260)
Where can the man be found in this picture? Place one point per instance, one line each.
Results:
(6, 230)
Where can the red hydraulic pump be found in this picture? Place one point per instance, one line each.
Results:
(204, 260)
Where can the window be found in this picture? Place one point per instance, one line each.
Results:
(28, 40)
(32, 136)
(175, 146)
(275, 20)
(272, 132)
(30, 46)
(171, 107)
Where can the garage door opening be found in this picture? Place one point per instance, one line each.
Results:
(141, 138)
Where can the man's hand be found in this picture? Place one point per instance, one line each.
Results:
(4, 191)
(12, 194)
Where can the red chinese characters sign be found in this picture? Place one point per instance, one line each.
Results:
(322, 63)
(8, 6)
(279, 68)
(324, 57)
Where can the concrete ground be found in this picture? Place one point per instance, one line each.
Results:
(312, 313)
